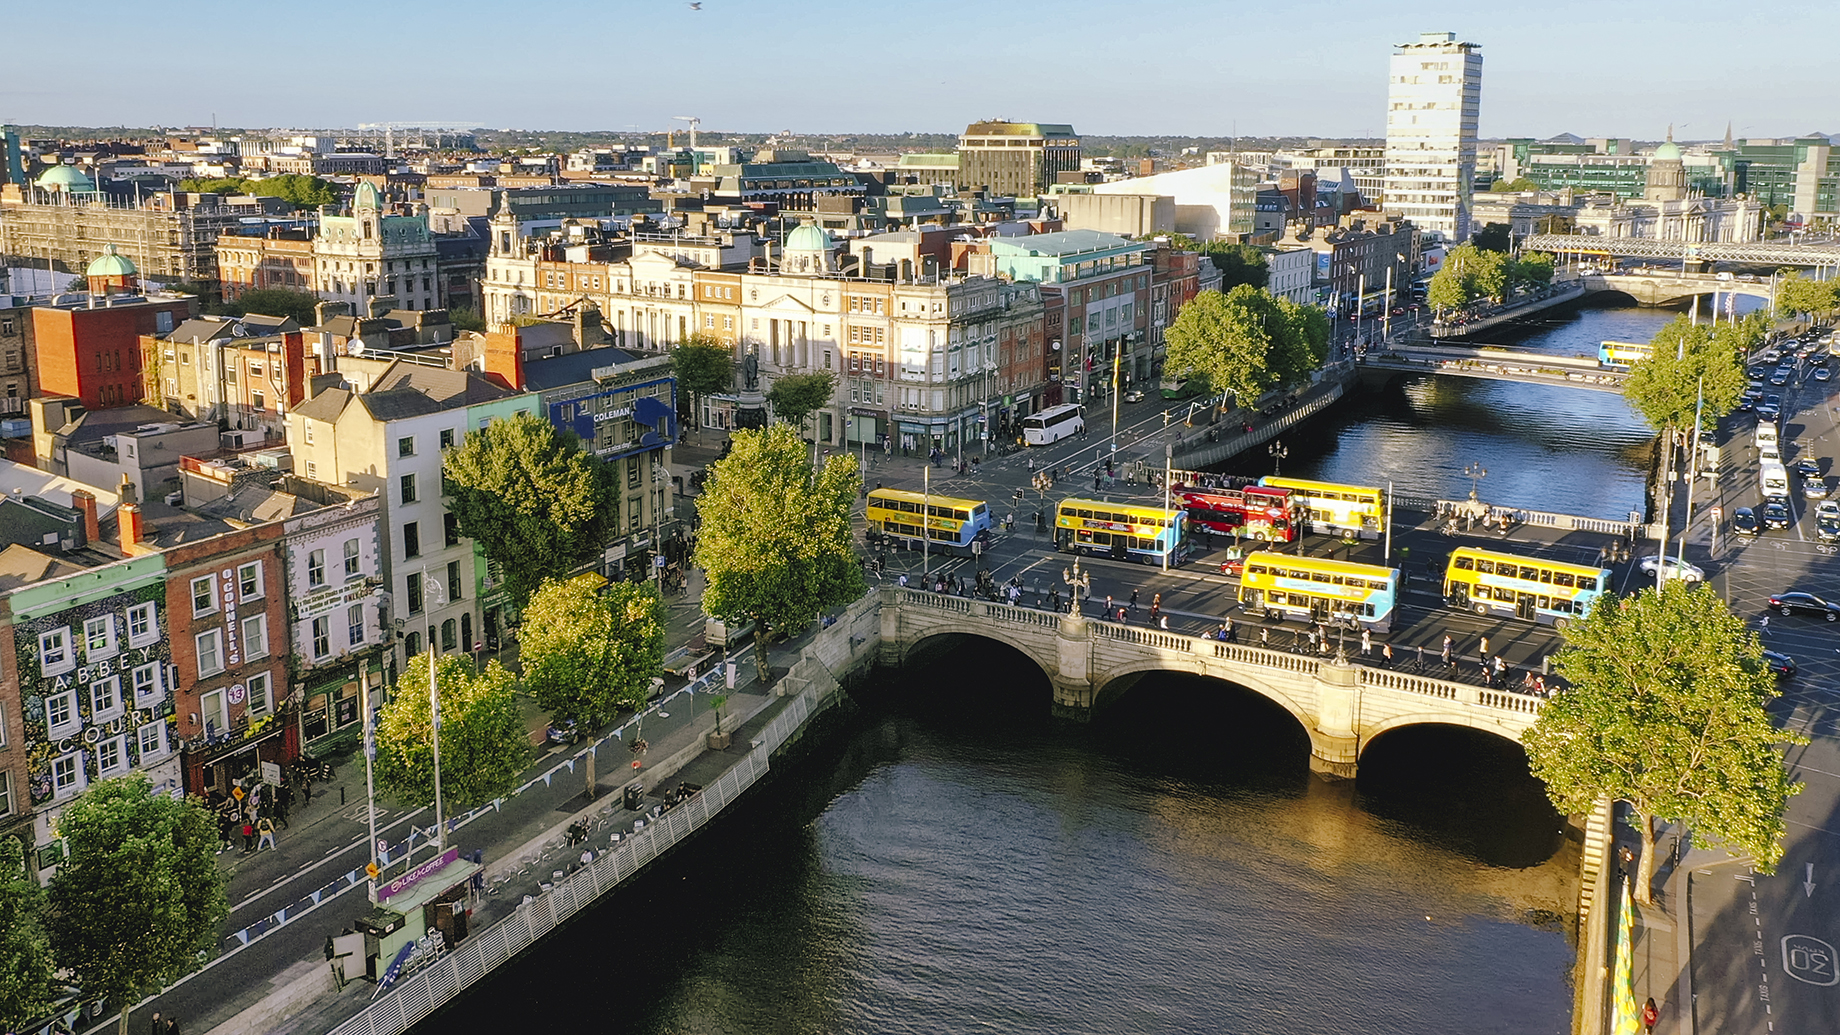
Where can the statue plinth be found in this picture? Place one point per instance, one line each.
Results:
(751, 408)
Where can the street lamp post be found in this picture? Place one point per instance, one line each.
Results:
(1277, 452)
(1077, 582)
(1475, 473)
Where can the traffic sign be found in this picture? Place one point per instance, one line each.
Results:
(371, 871)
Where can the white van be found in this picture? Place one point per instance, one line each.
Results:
(1773, 480)
(1769, 442)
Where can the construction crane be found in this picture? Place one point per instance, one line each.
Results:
(694, 122)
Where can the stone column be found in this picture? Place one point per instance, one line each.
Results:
(1073, 689)
(1334, 745)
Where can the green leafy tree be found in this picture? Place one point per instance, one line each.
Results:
(1797, 295)
(484, 742)
(590, 652)
(1246, 341)
(775, 540)
(1302, 343)
(466, 318)
(298, 190)
(1514, 186)
(298, 305)
(1665, 386)
(1448, 290)
(1180, 242)
(1238, 264)
(1666, 712)
(25, 949)
(1495, 237)
(1491, 275)
(796, 396)
(1534, 268)
(535, 502)
(703, 365)
(138, 900)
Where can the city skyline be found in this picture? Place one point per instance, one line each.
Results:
(1572, 67)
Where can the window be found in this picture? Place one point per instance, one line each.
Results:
(308, 425)
(210, 652)
(453, 580)
(67, 777)
(141, 630)
(249, 581)
(54, 654)
(204, 596)
(6, 793)
(212, 711)
(261, 696)
(408, 488)
(354, 624)
(351, 559)
(61, 718)
(2, 733)
(99, 638)
(415, 594)
(450, 528)
(112, 756)
(147, 688)
(447, 438)
(412, 645)
(255, 637)
(412, 540)
(405, 446)
(152, 737)
(316, 568)
(322, 641)
(448, 642)
(256, 401)
(105, 699)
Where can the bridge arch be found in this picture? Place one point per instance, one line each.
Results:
(1376, 730)
(933, 640)
(1119, 680)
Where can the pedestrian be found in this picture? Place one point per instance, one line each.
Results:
(1232, 633)
(1650, 1014)
(1447, 642)
(249, 836)
(1108, 603)
(159, 1028)
(902, 581)
(1501, 667)
(1264, 637)
(1163, 622)
(1386, 654)
(1485, 645)
(1367, 643)
(1133, 601)
(1421, 657)
(1765, 624)
(267, 831)
(306, 790)
(1156, 603)
(172, 1026)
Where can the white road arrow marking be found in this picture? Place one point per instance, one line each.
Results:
(1808, 885)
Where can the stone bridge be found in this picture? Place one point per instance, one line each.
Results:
(1491, 363)
(1342, 706)
(1673, 286)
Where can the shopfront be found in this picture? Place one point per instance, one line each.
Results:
(216, 766)
(865, 426)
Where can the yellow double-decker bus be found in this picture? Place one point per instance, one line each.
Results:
(1530, 588)
(1122, 530)
(951, 524)
(1320, 589)
(1337, 509)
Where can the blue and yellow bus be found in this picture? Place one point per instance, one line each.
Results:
(1319, 589)
(1529, 588)
(1124, 531)
(1621, 355)
(1358, 510)
(952, 524)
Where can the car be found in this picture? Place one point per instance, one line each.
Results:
(1776, 515)
(1779, 663)
(1827, 521)
(1779, 377)
(1744, 521)
(1770, 408)
(1675, 567)
(1134, 396)
(1807, 467)
(1822, 373)
(1796, 603)
(1814, 487)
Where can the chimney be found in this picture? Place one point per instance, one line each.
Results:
(128, 520)
(85, 501)
(504, 357)
(127, 491)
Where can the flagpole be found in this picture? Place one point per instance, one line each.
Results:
(370, 786)
(434, 716)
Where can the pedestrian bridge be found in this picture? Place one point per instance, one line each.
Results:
(1342, 706)
(1673, 286)
(1493, 364)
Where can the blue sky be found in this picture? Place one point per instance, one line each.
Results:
(1203, 67)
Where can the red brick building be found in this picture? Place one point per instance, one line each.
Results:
(283, 259)
(227, 616)
(89, 348)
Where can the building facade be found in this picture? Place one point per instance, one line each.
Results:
(1016, 159)
(1100, 287)
(1434, 97)
(337, 626)
(282, 259)
(368, 253)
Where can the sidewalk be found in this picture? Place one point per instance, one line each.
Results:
(1663, 949)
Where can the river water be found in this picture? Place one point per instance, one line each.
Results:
(951, 860)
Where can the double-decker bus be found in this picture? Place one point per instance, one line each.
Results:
(950, 523)
(1252, 511)
(1345, 509)
(1319, 589)
(1122, 531)
(1530, 588)
(1621, 355)
(1052, 424)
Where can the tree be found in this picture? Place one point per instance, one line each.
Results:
(138, 899)
(1246, 341)
(484, 743)
(1447, 290)
(1666, 712)
(466, 318)
(1238, 264)
(299, 305)
(775, 540)
(1684, 359)
(590, 652)
(25, 950)
(1495, 237)
(703, 365)
(298, 190)
(795, 396)
(1514, 186)
(1468, 273)
(1534, 268)
(535, 502)
(1796, 295)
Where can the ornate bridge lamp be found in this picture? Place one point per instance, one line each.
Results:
(1078, 582)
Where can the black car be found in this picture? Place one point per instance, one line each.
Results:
(1770, 408)
(1776, 515)
(1790, 603)
(1744, 521)
(1807, 467)
(1779, 663)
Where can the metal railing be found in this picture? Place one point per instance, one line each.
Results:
(1648, 248)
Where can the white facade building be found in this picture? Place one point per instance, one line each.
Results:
(369, 254)
(1292, 274)
(1434, 95)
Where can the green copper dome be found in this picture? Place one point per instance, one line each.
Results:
(110, 264)
(65, 178)
(1667, 152)
(808, 237)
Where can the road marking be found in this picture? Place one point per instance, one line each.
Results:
(1810, 960)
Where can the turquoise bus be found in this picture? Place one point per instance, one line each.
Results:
(1532, 589)
(1320, 589)
(1123, 531)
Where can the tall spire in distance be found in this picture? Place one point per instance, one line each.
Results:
(1728, 135)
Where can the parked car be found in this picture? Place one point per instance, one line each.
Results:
(1776, 515)
(1779, 663)
(1744, 521)
(1676, 568)
(1808, 603)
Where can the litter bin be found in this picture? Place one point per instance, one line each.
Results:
(635, 796)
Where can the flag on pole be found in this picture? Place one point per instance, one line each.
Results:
(1626, 1018)
(396, 966)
